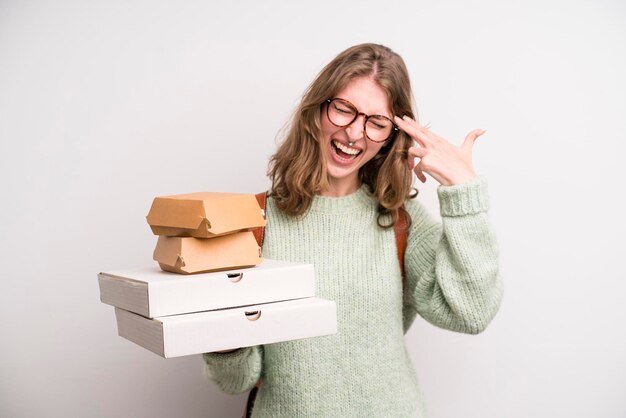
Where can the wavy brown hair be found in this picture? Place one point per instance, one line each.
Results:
(298, 168)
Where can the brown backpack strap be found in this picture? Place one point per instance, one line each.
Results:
(401, 231)
(259, 233)
(247, 413)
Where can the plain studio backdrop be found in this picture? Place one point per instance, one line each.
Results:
(105, 105)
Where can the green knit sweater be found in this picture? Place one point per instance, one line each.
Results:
(365, 370)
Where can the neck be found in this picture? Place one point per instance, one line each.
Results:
(341, 187)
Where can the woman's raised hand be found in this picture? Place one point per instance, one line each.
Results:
(446, 163)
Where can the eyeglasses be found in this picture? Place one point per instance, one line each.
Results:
(341, 113)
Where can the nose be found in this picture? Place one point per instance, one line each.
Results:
(356, 130)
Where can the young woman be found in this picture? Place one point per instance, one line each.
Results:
(339, 181)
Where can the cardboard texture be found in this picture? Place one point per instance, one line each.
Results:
(204, 214)
(181, 335)
(188, 255)
(153, 293)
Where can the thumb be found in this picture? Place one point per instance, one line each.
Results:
(468, 143)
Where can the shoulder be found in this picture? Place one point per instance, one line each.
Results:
(416, 209)
(421, 220)
(413, 206)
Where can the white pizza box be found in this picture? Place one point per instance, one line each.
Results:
(154, 293)
(224, 329)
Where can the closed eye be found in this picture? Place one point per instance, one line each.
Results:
(378, 122)
(344, 110)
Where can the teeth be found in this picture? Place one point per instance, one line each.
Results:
(347, 150)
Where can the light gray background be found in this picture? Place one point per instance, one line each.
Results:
(104, 105)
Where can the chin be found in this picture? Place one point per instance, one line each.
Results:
(342, 174)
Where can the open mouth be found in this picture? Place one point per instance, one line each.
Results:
(344, 152)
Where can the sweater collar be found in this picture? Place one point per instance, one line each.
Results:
(353, 202)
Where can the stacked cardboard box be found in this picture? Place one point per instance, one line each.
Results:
(234, 305)
(200, 232)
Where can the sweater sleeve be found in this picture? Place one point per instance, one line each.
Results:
(237, 371)
(452, 268)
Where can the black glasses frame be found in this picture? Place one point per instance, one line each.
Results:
(356, 116)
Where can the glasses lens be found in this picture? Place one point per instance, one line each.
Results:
(378, 128)
(341, 113)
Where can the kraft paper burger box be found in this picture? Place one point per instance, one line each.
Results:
(153, 293)
(204, 214)
(187, 255)
(181, 335)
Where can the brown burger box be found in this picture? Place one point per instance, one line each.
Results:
(204, 214)
(187, 255)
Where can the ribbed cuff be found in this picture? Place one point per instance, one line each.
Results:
(227, 359)
(234, 372)
(465, 198)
